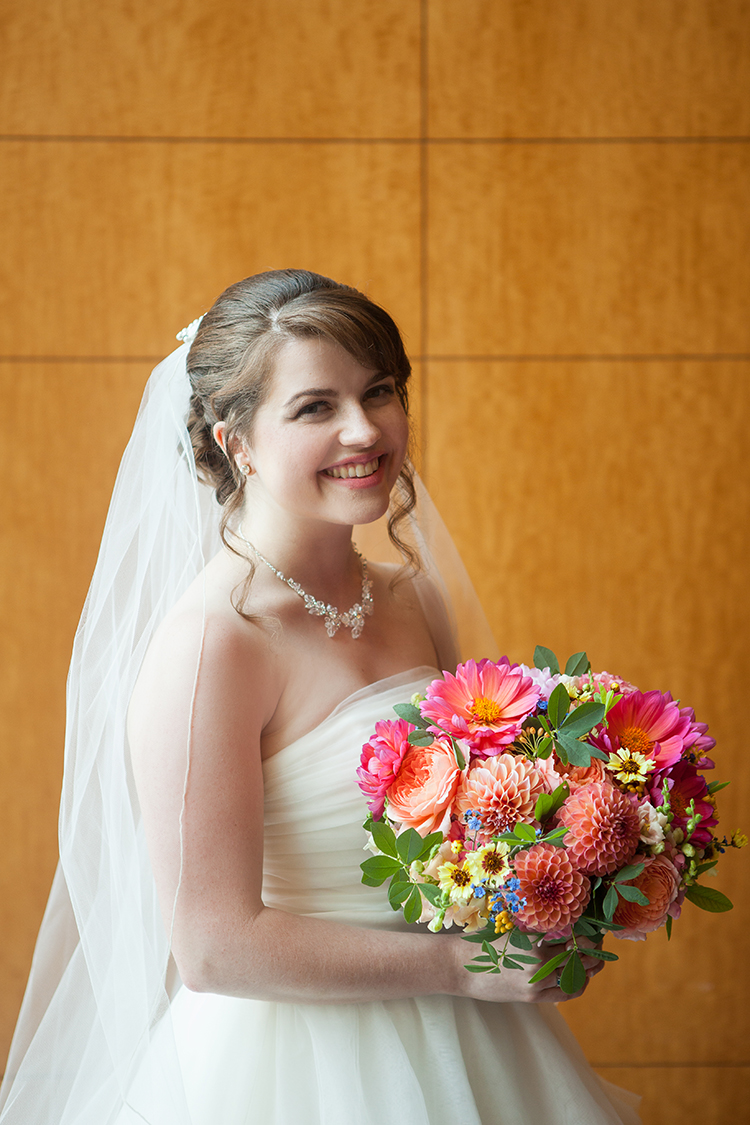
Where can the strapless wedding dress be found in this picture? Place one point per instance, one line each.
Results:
(432, 1060)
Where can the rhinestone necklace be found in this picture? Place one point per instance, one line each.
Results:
(353, 619)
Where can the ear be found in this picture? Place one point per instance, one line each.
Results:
(237, 451)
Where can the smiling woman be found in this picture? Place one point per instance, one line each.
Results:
(210, 953)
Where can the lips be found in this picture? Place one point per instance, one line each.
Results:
(353, 469)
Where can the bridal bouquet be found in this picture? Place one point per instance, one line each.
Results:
(523, 804)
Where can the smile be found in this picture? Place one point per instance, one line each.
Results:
(345, 471)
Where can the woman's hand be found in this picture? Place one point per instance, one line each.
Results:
(514, 985)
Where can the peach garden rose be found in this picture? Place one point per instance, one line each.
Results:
(423, 790)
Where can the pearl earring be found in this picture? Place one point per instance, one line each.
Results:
(245, 470)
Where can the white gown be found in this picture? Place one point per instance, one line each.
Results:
(430, 1060)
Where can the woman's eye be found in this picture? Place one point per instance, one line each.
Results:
(382, 390)
(312, 408)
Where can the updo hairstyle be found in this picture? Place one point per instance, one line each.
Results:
(231, 361)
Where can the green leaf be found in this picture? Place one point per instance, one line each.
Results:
(510, 962)
(413, 906)
(610, 903)
(479, 969)
(429, 843)
(577, 664)
(384, 838)
(583, 928)
(460, 760)
(490, 951)
(708, 899)
(632, 894)
(558, 705)
(669, 927)
(577, 753)
(420, 738)
(432, 893)
(573, 976)
(524, 832)
(519, 939)
(377, 869)
(556, 837)
(409, 845)
(549, 967)
(523, 957)
(487, 934)
(548, 803)
(703, 867)
(583, 718)
(630, 872)
(544, 749)
(398, 893)
(602, 954)
(545, 658)
(411, 714)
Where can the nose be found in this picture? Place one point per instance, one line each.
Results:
(357, 427)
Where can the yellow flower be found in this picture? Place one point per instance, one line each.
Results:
(739, 840)
(456, 880)
(488, 863)
(503, 922)
(630, 767)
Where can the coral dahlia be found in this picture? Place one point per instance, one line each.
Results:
(501, 790)
(603, 827)
(555, 892)
(484, 704)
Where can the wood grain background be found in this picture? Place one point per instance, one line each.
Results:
(552, 201)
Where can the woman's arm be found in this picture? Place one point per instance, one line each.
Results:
(224, 938)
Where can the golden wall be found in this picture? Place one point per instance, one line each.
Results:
(551, 198)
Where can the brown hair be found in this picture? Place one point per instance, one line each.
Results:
(231, 361)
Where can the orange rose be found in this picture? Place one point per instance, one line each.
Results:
(659, 881)
(424, 787)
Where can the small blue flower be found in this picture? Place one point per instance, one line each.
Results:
(473, 820)
(479, 890)
(542, 705)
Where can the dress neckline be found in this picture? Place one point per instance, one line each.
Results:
(377, 687)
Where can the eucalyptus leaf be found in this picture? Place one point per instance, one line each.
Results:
(708, 899)
(583, 718)
(384, 838)
(577, 664)
(632, 894)
(558, 705)
(573, 976)
(410, 714)
(420, 738)
(610, 903)
(413, 906)
(377, 869)
(545, 658)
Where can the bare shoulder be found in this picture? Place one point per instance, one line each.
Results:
(204, 660)
(423, 596)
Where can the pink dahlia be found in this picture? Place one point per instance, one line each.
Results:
(484, 704)
(555, 893)
(686, 785)
(381, 760)
(603, 827)
(649, 723)
(659, 881)
(502, 790)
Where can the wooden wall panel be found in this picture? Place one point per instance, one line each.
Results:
(599, 510)
(688, 1095)
(270, 68)
(589, 68)
(109, 248)
(62, 429)
(578, 249)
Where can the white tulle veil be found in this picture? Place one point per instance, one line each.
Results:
(93, 1044)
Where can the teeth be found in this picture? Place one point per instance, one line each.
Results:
(345, 471)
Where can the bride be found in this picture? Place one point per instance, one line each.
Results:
(209, 953)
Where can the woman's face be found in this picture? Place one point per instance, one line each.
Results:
(329, 441)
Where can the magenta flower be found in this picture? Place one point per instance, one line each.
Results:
(381, 760)
(484, 704)
(686, 785)
(697, 742)
(649, 723)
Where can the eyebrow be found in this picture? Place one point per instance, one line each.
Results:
(327, 392)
